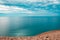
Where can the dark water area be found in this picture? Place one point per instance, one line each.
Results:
(32, 25)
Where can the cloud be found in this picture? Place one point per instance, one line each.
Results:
(13, 9)
(1, 2)
(28, 1)
(18, 10)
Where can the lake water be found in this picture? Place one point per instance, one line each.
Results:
(28, 25)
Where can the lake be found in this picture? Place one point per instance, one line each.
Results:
(28, 25)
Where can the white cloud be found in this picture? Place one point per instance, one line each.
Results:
(18, 1)
(13, 9)
(28, 1)
(31, 0)
(1, 2)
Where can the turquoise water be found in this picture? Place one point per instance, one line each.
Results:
(29, 25)
(18, 18)
(33, 25)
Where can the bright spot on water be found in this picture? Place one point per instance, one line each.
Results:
(4, 22)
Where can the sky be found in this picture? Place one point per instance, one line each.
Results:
(14, 9)
(18, 1)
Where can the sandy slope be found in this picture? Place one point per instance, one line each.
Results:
(52, 35)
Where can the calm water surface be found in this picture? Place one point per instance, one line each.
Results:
(28, 25)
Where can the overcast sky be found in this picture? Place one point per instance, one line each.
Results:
(17, 1)
(15, 9)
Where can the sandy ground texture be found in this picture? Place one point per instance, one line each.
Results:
(51, 35)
